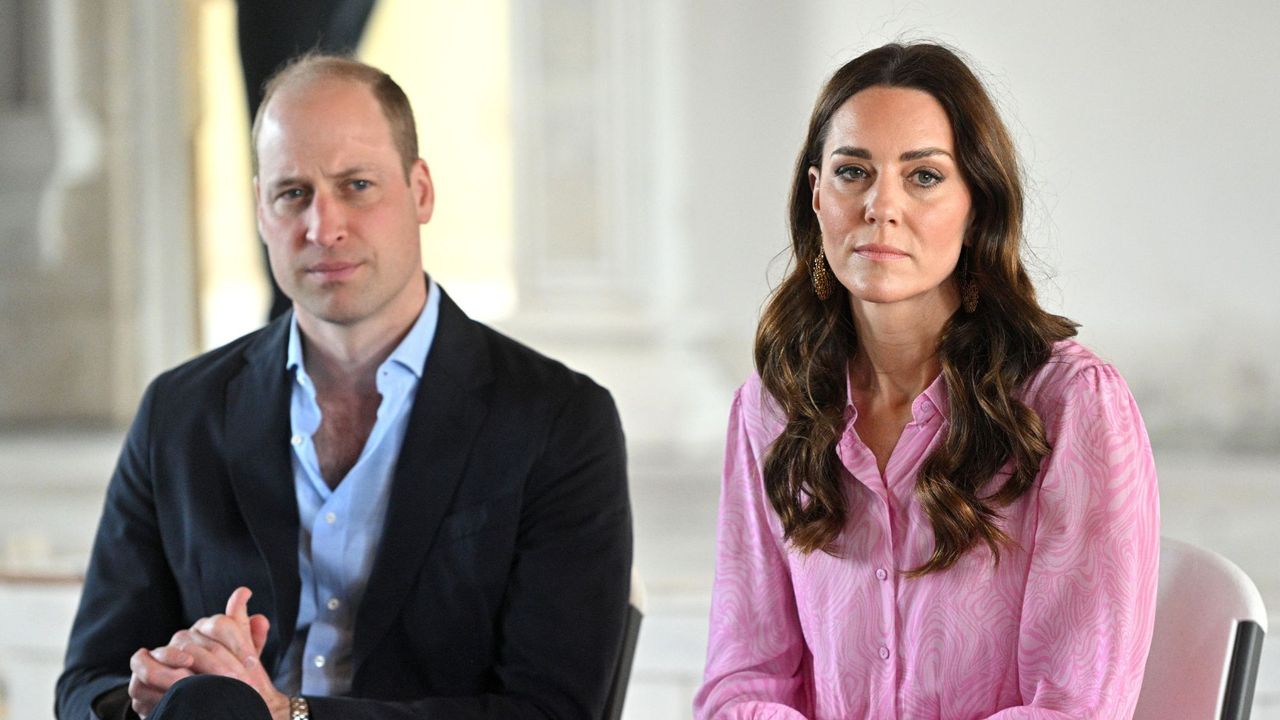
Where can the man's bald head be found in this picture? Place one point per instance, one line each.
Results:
(312, 68)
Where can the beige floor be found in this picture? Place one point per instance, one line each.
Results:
(51, 490)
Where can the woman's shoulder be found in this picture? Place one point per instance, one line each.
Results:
(750, 400)
(1068, 359)
(1071, 370)
(760, 414)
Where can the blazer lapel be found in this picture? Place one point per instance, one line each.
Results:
(448, 410)
(261, 471)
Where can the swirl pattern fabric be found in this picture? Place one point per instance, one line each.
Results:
(1058, 629)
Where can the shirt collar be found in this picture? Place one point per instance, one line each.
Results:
(412, 351)
(935, 395)
(933, 399)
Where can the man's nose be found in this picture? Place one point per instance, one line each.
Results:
(883, 202)
(326, 221)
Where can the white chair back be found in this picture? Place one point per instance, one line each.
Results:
(1210, 622)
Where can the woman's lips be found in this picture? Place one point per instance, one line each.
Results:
(876, 251)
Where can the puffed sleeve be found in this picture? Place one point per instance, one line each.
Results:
(1090, 596)
(756, 648)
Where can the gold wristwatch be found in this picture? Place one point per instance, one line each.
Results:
(299, 709)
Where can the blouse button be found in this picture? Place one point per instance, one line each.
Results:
(884, 653)
(880, 573)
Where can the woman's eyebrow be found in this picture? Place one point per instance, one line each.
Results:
(857, 152)
(922, 153)
(907, 156)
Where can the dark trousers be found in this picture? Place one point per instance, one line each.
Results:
(210, 697)
(272, 32)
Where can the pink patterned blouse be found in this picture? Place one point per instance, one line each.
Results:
(1058, 630)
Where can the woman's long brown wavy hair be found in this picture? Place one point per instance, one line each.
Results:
(804, 345)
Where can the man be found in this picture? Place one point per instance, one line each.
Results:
(373, 507)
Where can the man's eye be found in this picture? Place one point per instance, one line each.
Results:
(926, 178)
(291, 194)
(361, 184)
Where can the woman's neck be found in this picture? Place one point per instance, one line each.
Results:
(897, 355)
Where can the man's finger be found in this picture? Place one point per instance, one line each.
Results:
(172, 657)
(238, 611)
(150, 679)
(238, 604)
(221, 628)
(154, 671)
(209, 655)
(224, 631)
(259, 626)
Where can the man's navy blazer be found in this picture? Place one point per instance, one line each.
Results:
(500, 585)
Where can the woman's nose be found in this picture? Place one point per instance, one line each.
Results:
(883, 203)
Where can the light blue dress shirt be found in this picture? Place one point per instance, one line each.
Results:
(340, 528)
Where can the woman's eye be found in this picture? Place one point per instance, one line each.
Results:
(851, 172)
(926, 178)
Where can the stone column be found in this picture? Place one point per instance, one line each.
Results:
(649, 199)
(97, 284)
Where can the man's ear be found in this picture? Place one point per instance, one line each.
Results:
(424, 191)
(257, 208)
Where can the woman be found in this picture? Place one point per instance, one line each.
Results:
(935, 504)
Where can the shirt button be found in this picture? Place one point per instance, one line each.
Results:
(296, 440)
(332, 604)
(880, 573)
(319, 661)
(884, 654)
(330, 518)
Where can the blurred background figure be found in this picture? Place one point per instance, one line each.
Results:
(271, 32)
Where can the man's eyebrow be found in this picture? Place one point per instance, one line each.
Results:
(285, 182)
(342, 174)
(351, 172)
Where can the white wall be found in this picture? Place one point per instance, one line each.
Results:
(1147, 134)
